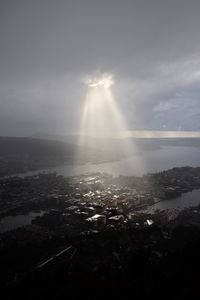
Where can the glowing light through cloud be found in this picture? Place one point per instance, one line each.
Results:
(101, 116)
(102, 125)
(105, 80)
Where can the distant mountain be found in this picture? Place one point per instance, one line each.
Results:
(116, 144)
(19, 155)
(181, 142)
(34, 147)
(25, 154)
(73, 139)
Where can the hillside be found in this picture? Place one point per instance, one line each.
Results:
(26, 154)
(18, 155)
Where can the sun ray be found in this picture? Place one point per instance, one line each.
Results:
(102, 124)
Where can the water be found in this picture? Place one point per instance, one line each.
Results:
(13, 222)
(185, 200)
(148, 162)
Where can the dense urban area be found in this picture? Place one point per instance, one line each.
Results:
(97, 232)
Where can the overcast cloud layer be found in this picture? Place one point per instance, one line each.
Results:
(47, 48)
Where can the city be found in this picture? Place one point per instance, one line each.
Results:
(94, 212)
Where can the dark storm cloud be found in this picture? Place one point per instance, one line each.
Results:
(48, 47)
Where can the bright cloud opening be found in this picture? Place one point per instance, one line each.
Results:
(105, 80)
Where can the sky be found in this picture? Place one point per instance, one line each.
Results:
(48, 48)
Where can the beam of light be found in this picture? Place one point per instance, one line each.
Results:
(102, 125)
(101, 116)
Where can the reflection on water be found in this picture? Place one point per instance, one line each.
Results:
(148, 162)
(13, 222)
(185, 200)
